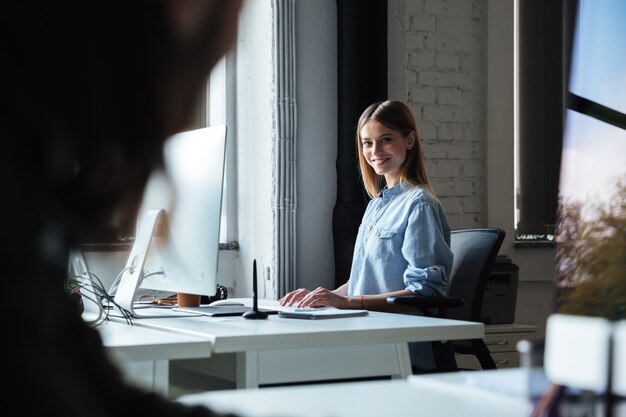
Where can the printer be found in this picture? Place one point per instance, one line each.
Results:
(501, 292)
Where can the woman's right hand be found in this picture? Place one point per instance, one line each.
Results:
(293, 297)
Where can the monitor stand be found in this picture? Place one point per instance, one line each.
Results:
(133, 273)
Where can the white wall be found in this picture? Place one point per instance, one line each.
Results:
(436, 54)
(316, 72)
(316, 93)
(255, 150)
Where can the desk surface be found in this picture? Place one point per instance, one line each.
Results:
(281, 350)
(236, 334)
(133, 343)
(416, 396)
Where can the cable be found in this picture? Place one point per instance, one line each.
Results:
(91, 289)
(88, 290)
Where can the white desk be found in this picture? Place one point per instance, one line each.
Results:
(433, 395)
(493, 393)
(143, 354)
(277, 350)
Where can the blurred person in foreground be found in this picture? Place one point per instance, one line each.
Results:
(90, 91)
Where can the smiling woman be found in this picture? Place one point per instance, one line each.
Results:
(404, 225)
(403, 243)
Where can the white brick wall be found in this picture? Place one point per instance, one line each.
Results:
(443, 79)
(438, 64)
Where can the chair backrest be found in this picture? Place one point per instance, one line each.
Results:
(474, 252)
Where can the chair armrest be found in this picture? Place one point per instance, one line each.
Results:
(426, 301)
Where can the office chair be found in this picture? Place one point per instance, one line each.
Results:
(474, 252)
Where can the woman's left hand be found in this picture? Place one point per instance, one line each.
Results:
(321, 297)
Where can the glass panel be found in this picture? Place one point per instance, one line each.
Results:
(591, 244)
(592, 161)
(598, 70)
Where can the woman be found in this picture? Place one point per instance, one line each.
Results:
(403, 244)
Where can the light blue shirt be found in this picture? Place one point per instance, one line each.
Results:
(403, 243)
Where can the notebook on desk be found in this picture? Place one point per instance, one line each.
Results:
(219, 311)
(314, 313)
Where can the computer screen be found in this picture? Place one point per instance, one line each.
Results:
(591, 231)
(177, 241)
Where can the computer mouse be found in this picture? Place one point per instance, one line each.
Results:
(226, 302)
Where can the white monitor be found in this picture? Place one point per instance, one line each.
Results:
(177, 241)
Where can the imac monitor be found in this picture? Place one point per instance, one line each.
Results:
(177, 241)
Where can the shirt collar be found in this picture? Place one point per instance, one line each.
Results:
(388, 193)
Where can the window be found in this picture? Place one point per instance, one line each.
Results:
(592, 196)
(544, 39)
(219, 108)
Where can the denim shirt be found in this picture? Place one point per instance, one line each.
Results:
(403, 243)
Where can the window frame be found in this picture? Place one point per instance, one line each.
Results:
(540, 74)
(220, 105)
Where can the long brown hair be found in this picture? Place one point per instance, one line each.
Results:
(396, 116)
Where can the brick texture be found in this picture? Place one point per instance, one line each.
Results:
(444, 85)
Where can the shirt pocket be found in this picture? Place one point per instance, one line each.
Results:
(380, 245)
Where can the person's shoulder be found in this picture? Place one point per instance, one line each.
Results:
(421, 194)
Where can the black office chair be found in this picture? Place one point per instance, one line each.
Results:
(474, 252)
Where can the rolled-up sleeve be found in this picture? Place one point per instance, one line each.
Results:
(427, 252)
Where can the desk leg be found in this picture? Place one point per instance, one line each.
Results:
(247, 369)
(404, 360)
(162, 376)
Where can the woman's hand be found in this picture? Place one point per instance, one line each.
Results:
(321, 297)
(293, 297)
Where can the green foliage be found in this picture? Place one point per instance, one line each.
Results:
(591, 258)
